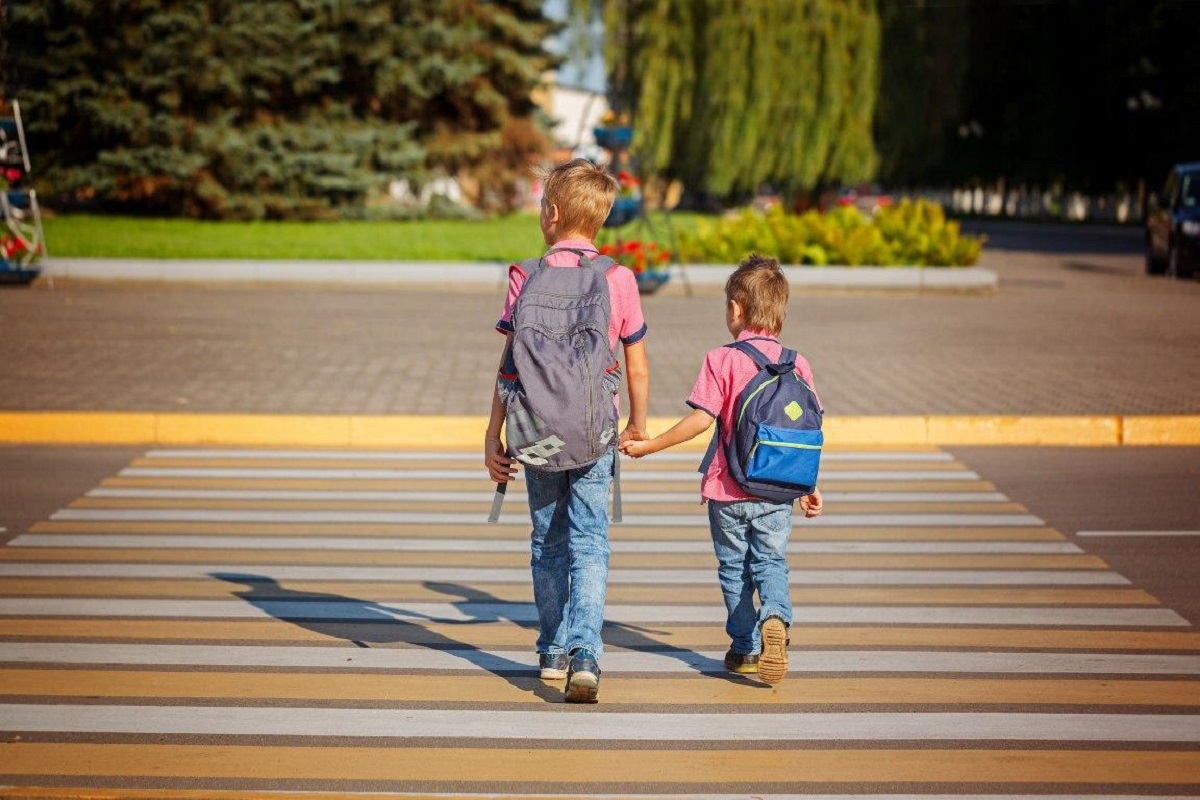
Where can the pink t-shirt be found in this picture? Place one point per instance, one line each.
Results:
(725, 373)
(625, 323)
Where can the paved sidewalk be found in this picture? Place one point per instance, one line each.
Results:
(1076, 331)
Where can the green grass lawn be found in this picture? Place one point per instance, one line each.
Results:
(500, 239)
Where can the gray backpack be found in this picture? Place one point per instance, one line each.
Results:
(559, 378)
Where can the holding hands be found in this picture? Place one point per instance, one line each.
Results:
(636, 448)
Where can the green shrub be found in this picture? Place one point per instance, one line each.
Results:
(909, 233)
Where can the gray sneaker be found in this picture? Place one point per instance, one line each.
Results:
(553, 666)
(583, 678)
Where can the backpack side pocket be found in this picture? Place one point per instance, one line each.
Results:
(785, 455)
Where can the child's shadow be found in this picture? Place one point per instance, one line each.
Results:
(630, 637)
(366, 622)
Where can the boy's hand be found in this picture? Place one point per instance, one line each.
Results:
(636, 448)
(811, 504)
(499, 466)
(634, 434)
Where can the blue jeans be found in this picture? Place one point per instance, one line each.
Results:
(750, 539)
(569, 547)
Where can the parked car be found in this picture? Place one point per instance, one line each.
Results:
(1173, 224)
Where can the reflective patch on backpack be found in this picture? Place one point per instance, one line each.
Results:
(539, 453)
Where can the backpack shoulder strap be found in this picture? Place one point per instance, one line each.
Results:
(785, 364)
(587, 258)
(711, 452)
(603, 264)
(528, 266)
(755, 355)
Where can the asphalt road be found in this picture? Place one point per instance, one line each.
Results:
(231, 620)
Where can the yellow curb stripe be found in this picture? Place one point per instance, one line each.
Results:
(594, 765)
(505, 634)
(464, 432)
(1025, 430)
(1161, 430)
(513, 593)
(93, 793)
(618, 560)
(617, 689)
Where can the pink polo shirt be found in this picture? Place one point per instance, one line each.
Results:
(625, 323)
(726, 372)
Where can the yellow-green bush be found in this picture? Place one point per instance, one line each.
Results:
(913, 233)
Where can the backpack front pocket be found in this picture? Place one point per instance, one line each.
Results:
(785, 455)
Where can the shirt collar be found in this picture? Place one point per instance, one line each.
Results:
(751, 334)
(574, 244)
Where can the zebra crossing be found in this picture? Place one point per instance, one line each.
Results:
(231, 622)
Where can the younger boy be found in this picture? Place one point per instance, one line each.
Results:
(749, 534)
(569, 542)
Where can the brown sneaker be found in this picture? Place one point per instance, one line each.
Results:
(741, 663)
(773, 663)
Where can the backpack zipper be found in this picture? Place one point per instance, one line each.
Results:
(771, 443)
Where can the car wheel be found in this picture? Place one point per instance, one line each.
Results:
(1153, 265)
(1175, 267)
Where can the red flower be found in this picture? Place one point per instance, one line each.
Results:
(636, 254)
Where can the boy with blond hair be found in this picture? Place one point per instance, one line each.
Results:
(749, 533)
(568, 504)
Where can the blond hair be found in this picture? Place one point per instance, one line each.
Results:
(584, 194)
(759, 286)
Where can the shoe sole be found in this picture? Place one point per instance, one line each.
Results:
(583, 687)
(773, 663)
(550, 674)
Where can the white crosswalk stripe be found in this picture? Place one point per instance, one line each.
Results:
(814, 661)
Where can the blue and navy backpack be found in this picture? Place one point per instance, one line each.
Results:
(774, 451)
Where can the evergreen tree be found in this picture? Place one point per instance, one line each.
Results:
(727, 95)
(275, 108)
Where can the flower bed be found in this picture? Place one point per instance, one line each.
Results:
(905, 234)
(647, 259)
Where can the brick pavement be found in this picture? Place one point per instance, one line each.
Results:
(1066, 333)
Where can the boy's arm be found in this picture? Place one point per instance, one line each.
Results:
(689, 427)
(499, 465)
(637, 373)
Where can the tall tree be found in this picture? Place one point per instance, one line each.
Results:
(1084, 94)
(923, 60)
(727, 95)
(273, 108)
